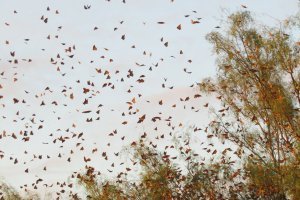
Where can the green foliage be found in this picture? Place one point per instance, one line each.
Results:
(162, 178)
(258, 82)
(94, 190)
(265, 183)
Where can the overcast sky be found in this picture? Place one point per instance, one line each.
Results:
(119, 54)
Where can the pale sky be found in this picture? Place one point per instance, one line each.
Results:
(137, 23)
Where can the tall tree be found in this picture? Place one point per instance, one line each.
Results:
(258, 84)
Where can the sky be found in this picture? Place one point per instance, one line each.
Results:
(75, 64)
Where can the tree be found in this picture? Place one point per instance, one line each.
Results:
(7, 192)
(96, 190)
(161, 177)
(258, 84)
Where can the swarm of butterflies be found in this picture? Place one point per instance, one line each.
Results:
(82, 80)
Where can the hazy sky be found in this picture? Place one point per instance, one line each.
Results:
(128, 38)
